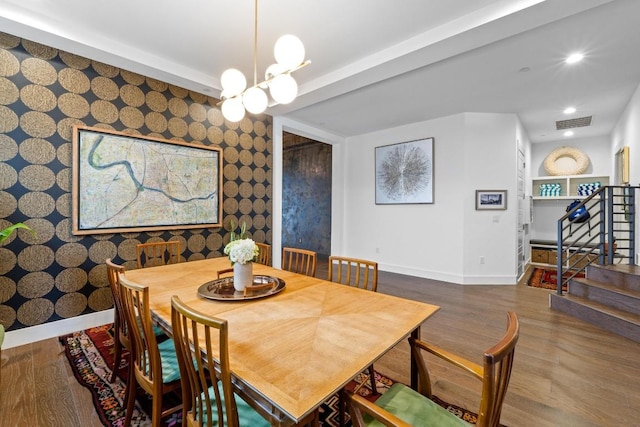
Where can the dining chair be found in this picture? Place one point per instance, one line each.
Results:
(155, 365)
(264, 254)
(403, 406)
(207, 392)
(151, 254)
(120, 335)
(355, 272)
(120, 332)
(358, 273)
(300, 261)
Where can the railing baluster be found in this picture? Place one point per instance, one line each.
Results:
(579, 250)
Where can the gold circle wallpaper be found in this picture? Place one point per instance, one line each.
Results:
(44, 92)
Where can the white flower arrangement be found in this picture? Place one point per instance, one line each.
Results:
(241, 249)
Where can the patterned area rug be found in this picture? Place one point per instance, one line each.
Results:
(547, 278)
(90, 354)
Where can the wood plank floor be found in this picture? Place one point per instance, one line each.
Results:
(566, 372)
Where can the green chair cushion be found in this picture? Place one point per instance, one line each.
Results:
(157, 331)
(414, 408)
(170, 368)
(1, 335)
(247, 416)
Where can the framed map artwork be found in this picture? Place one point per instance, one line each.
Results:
(404, 173)
(131, 183)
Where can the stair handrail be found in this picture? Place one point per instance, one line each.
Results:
(600, 206)
(585, 248)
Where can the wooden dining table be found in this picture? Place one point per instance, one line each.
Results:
(293, 350)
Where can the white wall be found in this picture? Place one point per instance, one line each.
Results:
(489, 240)
(627, 133)
(446, 239)
(421, 240)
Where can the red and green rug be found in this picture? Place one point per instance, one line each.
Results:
(547, 278)
(90, 354)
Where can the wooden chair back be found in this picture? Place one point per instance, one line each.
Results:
(146, 359)
(354, 272)
(404, 404)
(120, 334)
(300, 261)
(151, 254)
(191, 327)
(264, 256)
(145, 356)
(494, 374)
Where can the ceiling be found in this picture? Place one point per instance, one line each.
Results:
(375, 67)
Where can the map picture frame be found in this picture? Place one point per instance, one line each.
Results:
(404, 172)
(124, 183)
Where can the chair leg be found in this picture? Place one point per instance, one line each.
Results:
(130, 395)
(372, 380)
(156, 411)
(342, 407)
(117, 357)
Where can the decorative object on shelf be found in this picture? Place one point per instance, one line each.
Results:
(556, 162)
(588, 189)
(132, 183)
(553, 189)
(491, 200)
(289, 54)
(622, 165)
(242, 252)
(404, 172)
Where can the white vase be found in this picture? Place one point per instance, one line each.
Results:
(242, 275)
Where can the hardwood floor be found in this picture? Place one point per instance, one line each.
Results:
(566, 372)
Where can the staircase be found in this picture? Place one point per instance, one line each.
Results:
(608, 297)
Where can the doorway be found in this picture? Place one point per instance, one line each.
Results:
(306, 194)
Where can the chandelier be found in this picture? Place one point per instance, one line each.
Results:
(236, 97)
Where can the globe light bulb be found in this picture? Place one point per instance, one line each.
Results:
(233, 82)
(232, 109)
(289, 51)
(283, 88)
(255, 100)
(273, 70)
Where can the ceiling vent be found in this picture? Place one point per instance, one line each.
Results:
(573, 123)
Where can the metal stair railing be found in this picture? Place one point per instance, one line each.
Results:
(612, 220)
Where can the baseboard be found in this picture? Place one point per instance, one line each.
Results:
(447, 277)
(56, 329)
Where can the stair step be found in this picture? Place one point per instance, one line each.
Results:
(606, 293)
(625, 276)
(613, 320)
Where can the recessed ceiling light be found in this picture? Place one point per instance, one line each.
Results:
(568, 133)
(569, 110)
(574, 57)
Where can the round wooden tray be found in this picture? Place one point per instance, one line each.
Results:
(223, 290)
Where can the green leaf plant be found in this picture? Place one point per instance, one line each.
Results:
(5, 233)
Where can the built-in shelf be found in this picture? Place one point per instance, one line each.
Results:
(568, 185)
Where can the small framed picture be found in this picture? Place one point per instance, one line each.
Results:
(491, 200)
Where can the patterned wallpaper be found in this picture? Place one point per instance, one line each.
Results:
(43, 93)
